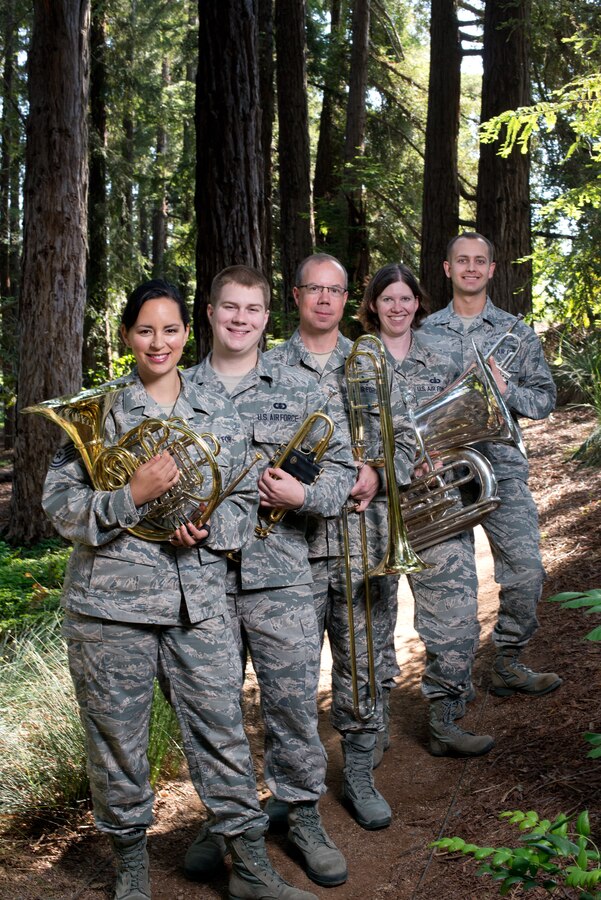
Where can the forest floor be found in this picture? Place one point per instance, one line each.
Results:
(538, 763)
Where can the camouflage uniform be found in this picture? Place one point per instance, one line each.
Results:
(132, 606)
(512, 529)
(326, 551)
(446, 594)
(270, 595)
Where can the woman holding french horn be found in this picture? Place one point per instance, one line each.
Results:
(446, 592)
(138, 598)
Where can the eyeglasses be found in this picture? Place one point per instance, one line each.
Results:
(334, 290)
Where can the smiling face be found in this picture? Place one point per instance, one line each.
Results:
(321, 312)
(238, 319)
(470, 269)
(157, 338)
(395, 307)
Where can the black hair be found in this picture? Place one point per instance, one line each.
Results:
(383, 278)
(151, 290)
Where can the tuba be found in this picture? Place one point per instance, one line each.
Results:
(366, 365)
(300, 461)
(198, 491)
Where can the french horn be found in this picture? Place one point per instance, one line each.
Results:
(199, 488)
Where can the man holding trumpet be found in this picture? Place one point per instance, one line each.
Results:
(319, 349)
(270, 595)
(527, 387)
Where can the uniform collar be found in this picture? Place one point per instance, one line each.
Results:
(298, 353)
(489, 314)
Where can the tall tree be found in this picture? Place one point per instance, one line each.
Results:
(97, 336)
(503, 195)
(54, 253)
(354, 144)
(229, 164)
(296, 214)
(440, 211)
(267, 99)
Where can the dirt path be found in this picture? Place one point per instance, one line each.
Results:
(539, 761)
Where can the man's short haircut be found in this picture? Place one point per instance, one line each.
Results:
(384, 277)
(471, 236)
(318, 258)
(245, 276)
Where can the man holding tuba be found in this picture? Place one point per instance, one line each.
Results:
(527, 387)
(319, 349)
(270, 595)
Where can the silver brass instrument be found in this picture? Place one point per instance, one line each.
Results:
(198, 491)
(511, 344)
(468, 411)
(300, 461)
(366, 364)
(432, 510)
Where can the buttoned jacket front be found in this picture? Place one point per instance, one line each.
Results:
(530, 392)
(326, 536)
(113, 574)
(273, 400)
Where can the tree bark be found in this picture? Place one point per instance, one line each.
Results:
(267, 99)
(8, 299)
(229, 165)
(354, 145)
(96, 346)
(440, 210)
(503, 196)
(296, 213)
(54, 251)
(160, 210)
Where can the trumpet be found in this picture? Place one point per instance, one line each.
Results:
(299, 462)
(366, 364)
(198, 491)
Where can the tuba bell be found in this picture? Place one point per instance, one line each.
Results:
(198, 491)
(468, 411)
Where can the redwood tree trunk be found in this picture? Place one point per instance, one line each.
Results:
(267, 99)
(503, 196)
(440, 212)
(54, 250)
(354, 144)
(229, 166)
(296, 214)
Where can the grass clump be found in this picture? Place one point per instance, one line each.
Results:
(578, 369)
(42, 744)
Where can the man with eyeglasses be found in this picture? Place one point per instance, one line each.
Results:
(318, 347)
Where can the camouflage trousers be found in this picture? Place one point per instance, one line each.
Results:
(113, 666)
(278, 628)
(446, 616)
(512, 531)
(329, 588)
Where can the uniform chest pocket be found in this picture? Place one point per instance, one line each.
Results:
(109, 573)
(271, 435)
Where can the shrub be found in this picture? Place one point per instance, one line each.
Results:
(30, 582)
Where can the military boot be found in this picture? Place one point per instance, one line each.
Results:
(324, 862)
(447, 738)
(133, 881)
(277, 810)
(367, 804)
(253, 877)
(510, 676)
(383, 737)
(204, 855)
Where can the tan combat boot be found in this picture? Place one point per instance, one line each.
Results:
(447, 738)
(510, 676)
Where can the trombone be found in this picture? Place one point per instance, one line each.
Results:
(366, 364)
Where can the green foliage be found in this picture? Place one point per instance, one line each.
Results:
(590, 601)
(578, 366)
(558, 853)
(30, 582)
(42, 747)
